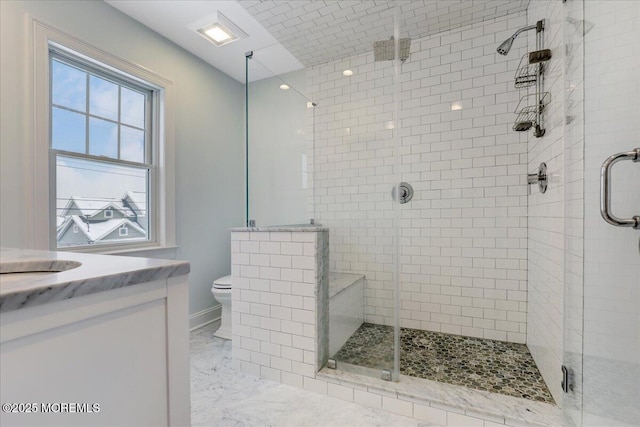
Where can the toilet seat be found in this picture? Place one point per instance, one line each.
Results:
(222, 283)
(221, 290)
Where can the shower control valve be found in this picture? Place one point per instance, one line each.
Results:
(540, 177)
(405, 194)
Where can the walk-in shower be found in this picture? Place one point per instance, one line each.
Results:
(478, 281)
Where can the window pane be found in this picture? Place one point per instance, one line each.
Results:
(68, 86)
(131, 144)
(132, 108)
(68, 130)
(86, 189)
(103, 138)
(103, 98)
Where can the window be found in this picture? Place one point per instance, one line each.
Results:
(107, 152)
(101, 141)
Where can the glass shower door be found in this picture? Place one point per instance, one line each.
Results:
(355, 169)
(603, 386)
(611, 359)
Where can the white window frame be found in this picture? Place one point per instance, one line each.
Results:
(43, 235)
(121, 229)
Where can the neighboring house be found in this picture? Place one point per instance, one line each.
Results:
(137, 202)
(87, 221)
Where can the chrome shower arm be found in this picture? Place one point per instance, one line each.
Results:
(530, 27)
(505, 47)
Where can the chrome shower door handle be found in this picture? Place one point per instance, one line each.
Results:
(605, 190)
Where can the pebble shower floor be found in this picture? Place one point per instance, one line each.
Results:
(482, 364)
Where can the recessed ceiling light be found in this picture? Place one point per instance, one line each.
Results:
(347, 73)
(222, 31)
(284, 87)
(218, 33)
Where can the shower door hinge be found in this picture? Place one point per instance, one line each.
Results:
(567, 383)
(332, 364)
(385, 375)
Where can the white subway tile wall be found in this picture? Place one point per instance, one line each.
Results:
(463, 239)
(547, 211)
(275, 313)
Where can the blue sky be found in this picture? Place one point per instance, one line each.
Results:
(77, 177)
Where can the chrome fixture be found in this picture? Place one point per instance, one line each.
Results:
(251, 223)
(530, 73)
(539, 177)
(332, 364)
(567, 379)
(385, 50)
(406, 193)
(605, 190)
(505, 46)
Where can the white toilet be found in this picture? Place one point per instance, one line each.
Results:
(221, 290)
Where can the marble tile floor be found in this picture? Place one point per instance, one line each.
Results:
(222, 397)
(481, 364)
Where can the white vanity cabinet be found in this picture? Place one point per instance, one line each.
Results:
(117, 357)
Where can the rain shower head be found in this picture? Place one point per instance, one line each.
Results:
(505, 46)
(385, 50)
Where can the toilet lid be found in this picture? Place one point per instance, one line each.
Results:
(222, 283)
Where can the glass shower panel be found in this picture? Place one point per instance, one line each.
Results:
(279, 145)
(573, 304)
(355, 171)
(611, 343)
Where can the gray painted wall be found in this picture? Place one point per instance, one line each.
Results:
(208, 129)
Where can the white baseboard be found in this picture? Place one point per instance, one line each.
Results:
(204, 317)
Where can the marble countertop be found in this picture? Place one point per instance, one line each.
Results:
(95, 273)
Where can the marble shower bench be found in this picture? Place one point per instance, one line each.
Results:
(346, 307)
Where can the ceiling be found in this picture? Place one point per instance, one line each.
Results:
(320, 31)
(177, 20)
(290, 35)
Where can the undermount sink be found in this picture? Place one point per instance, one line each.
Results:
(37, 266)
